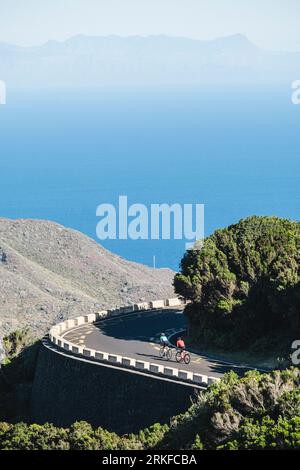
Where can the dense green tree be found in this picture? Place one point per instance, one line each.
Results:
(32, 437)
(244, 283)
(151, 437)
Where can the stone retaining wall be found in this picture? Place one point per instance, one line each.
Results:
(66, 390)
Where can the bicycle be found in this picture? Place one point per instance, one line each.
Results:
(165, 353)
(183, 356)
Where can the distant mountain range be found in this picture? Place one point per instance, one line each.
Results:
(48, 273)
(114, 60)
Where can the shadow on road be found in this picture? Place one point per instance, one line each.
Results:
(144, 327)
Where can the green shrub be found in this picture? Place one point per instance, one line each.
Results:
(244, 284)
(267, 434)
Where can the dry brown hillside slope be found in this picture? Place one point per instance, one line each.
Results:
(48, 273)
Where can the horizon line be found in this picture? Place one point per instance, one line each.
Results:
(130, 36)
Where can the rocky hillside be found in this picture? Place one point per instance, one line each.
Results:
(48, 273)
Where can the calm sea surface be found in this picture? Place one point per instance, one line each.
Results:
(63, 153)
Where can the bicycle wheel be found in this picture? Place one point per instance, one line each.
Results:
(187, 358)
(169, 354)
(161, 352)
(178, 356)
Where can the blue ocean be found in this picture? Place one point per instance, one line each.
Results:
(64, 152)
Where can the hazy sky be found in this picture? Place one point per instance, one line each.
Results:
(271, 24)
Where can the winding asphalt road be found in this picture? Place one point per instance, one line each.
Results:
(137, 336)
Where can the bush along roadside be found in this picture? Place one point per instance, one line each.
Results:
(17, 374)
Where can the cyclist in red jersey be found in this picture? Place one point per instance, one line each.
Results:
(180, 344)
(182, 355)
